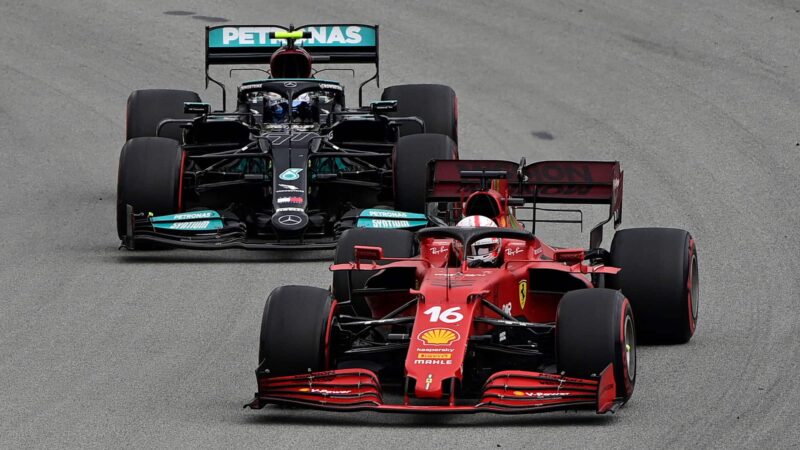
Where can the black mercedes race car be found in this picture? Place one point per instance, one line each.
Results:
(290, 161)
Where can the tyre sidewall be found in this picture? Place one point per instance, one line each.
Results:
(410, 168)
(295, 330)
(148, 178)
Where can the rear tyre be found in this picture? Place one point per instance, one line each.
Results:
(295, 330)
(435, 104)
(411, 157)
(395, 243)
(148, 107)
(595, 327)
(148, 178)
(660, 278)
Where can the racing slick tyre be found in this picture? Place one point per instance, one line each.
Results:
(148, 107)
(148, 179)
(410, 159)
(395, 243)
(435, 104)
(595, 327)
(295, 330)
(660, 278)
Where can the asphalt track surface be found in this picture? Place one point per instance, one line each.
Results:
(697, 99)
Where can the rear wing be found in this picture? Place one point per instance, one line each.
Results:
(566, 182)
(329, 43)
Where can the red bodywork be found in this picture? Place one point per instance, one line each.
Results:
(453, 306)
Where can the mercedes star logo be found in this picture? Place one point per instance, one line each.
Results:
(289, 219)
(289, 84)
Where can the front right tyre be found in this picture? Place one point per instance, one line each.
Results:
(295, 331)
(148, 178)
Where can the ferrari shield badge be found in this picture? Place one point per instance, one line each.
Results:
(523, 293)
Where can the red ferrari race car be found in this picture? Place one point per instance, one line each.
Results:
(478, 318)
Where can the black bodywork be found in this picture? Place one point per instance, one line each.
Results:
(281, 185)
(280, 182)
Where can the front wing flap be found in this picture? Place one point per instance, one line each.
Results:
(506, 392)
(192, 234)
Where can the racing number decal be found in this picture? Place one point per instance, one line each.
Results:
(523, 293)
(290, 174)
(449, 315)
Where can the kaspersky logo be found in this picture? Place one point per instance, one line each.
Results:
(439, 336)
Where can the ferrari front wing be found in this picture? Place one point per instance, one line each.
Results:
(508, 392)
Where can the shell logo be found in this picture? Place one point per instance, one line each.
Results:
(519, 393)
(439, 336)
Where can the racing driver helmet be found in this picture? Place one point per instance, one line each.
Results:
(290, 62)
(486, 251)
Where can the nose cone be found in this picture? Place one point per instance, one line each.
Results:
(289, 219)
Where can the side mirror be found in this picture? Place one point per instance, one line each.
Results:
(383, 106)
(368, 253)
(195, 108)
(570, 256)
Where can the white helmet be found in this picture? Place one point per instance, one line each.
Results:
(485, 250)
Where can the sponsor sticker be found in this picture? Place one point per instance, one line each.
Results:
(334, 87)
(434, 355)
(189, 221)
(296, 200)
(383, 223)
(439, 336)
(514, 251)
(325, 391)
(438, 250)
(290, 174)
(523, 293)
(435, 349)
(386, 218)
(540, 394)
(433, 362)
(386, 213)
(288, 187)
(321, 36)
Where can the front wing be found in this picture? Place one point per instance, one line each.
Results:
(229, 235)
(507, 392)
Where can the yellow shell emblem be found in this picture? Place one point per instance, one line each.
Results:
(439, 336)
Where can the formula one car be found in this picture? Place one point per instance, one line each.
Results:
(424, 322)
(284, 166)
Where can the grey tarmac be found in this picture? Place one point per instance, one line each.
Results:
(699, 100)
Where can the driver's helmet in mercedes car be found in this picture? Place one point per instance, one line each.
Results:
(486, 251)
(290, 63)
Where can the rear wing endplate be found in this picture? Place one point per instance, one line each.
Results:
(566, 182)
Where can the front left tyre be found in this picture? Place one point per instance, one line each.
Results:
(595, 328)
